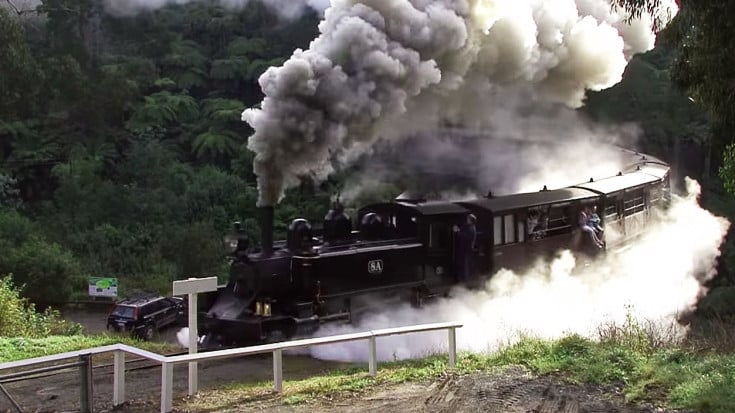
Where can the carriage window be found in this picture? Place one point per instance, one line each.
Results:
(509, 229)
(559, 216)
(634, 202)
(498, 230)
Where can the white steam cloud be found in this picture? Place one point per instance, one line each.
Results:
(656, 279)
(288, 9)
(381, 69)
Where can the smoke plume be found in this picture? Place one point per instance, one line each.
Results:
(521, 150)
(288, 9)
(383, 69)
(657, 279)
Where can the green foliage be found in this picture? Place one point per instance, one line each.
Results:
(701, 382)
(215, 145)
(701, 35)
(9, 194)
(647, 97)
(45, 272)
(727, 170)
(19, 318)
(20, 74)
(164, 108)
(121, 138)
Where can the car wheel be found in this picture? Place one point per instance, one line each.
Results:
(148, 333)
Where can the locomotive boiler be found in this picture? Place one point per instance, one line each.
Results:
(415, 249)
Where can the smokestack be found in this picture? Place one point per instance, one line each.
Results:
(266, 230)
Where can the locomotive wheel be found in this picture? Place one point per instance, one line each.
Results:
(285, 333)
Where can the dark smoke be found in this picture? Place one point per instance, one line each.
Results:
(385, 69)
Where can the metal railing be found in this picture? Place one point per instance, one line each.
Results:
(168, 362)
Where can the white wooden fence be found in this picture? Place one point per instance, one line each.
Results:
(168, 362)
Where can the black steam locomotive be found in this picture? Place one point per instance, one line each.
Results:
(417, 249)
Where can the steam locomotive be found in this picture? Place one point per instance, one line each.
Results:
(416, 249)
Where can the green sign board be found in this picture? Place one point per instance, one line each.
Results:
(102, 287)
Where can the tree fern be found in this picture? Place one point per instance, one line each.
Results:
(192, 77)
(228, 69)
(35, 147)
(185, 54)
(242, 46)
(222, 110)
(164, 108)
(215, 144)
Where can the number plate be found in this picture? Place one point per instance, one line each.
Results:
(375, 266)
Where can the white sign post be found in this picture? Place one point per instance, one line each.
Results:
(192, 287)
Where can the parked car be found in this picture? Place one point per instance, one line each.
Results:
(145, 314)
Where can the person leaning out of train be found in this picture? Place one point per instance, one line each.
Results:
(586, 226)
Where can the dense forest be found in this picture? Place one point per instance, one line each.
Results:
(123, 153)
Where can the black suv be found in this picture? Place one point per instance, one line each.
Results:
(144, 314)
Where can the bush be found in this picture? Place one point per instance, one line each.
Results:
(44, 271)
(19, 318)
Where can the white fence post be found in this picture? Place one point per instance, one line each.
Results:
(118, 391)
(193, 335)
(452, 346)
(167, 376)
(373, 356)
(192, 287)
(278, 370)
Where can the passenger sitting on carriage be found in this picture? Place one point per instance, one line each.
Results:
(594, 222)
(586, 226)
(532, 221)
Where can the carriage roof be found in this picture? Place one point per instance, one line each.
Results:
(529, 199)
(647, 174)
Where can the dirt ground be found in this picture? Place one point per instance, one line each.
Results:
(512, 391)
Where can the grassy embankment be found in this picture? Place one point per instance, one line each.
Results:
(18, 348)
(652, 366)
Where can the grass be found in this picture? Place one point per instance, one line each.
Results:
(652, 365)
(18, 348)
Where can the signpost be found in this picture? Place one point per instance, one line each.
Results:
(192, 287)
(102, 287)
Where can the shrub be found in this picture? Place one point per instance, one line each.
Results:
(19, 318)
